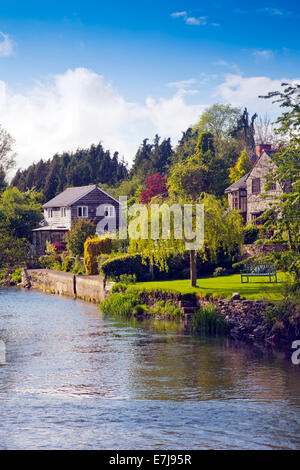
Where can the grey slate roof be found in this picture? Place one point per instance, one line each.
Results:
(69, 195)
(239, 184)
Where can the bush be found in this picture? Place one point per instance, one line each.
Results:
(251, 233)
(220, 271)
(78, 267)
(120, 304)
(80, 231)
(67, 263)
(119, 287)
(16, 276)
(59, 247)
(125, 264)
(208, 321)
(93, 247)
(166, 309)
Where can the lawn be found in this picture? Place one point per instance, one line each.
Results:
(223, 286)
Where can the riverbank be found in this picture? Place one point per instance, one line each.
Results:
(251, 321)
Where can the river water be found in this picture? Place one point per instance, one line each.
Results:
(75, 379)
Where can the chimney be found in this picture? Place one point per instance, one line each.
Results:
(262, 147)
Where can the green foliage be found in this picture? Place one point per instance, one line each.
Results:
(20, 212)
(124, 264)
(242, 166)
(67, 263)
(120, 304)
(16, 276)
(208, 321)
(282, 310)
(152, 158)
(166, 309)
(85, 166)
(119, 287)
(78, 267)
(250, 234)
(140, 309)
(93, 247)
(283, 218)
(220, 120)
(13, 251)
(128, 278)
(81, 230)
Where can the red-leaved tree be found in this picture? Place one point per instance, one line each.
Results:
(156, 185)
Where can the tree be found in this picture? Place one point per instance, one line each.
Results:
(7, 155)
(223, 229)
(80, 231)
(284, 217)
(220, 120)
(20, 211)
(204, 171)
(242, 166)
(156, 185)
(13, 251)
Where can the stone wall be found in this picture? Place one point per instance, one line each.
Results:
(91, 288)
(262, 249)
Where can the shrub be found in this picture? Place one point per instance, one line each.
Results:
(59, 247)
(208, 321)
(220, 271)
(120, 304)
(125, 264)
(80, 231)
(78, 267)
(93, 247)
(128, 278)
(119, 287)
(67, 263)
(250, 234)
(140, 309)
(166, 309)
(16, 276)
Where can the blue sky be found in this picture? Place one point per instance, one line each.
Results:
(120, 71)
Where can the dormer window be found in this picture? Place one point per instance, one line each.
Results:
(82, 211)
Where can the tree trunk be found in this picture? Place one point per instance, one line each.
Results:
(193, 275)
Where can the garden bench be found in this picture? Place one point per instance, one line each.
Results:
(259, 270)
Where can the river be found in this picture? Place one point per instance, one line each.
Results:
(75, 379)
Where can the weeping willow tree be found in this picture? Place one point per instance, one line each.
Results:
(159, 232)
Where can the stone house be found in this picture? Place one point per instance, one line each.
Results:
(245, 195)
(89, 202)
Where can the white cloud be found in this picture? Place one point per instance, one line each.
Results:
(177, 14)
(79, 108)
(274, 11)
(6, 45)
(191, 20)
(263, 53)
(245, 91)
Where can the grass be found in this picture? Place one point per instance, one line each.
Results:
(222, 286)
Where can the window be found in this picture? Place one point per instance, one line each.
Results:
(272, 187)
(50, 213)
(254, 218)
(82, 211)
(256, 185)
(236, 200)
(109, 211)
(63, 211)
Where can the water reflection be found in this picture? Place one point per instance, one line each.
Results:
(68, 364)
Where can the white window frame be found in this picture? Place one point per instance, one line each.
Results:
(82, 211)
(63, 212)
(50, 213)
(110, 210)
